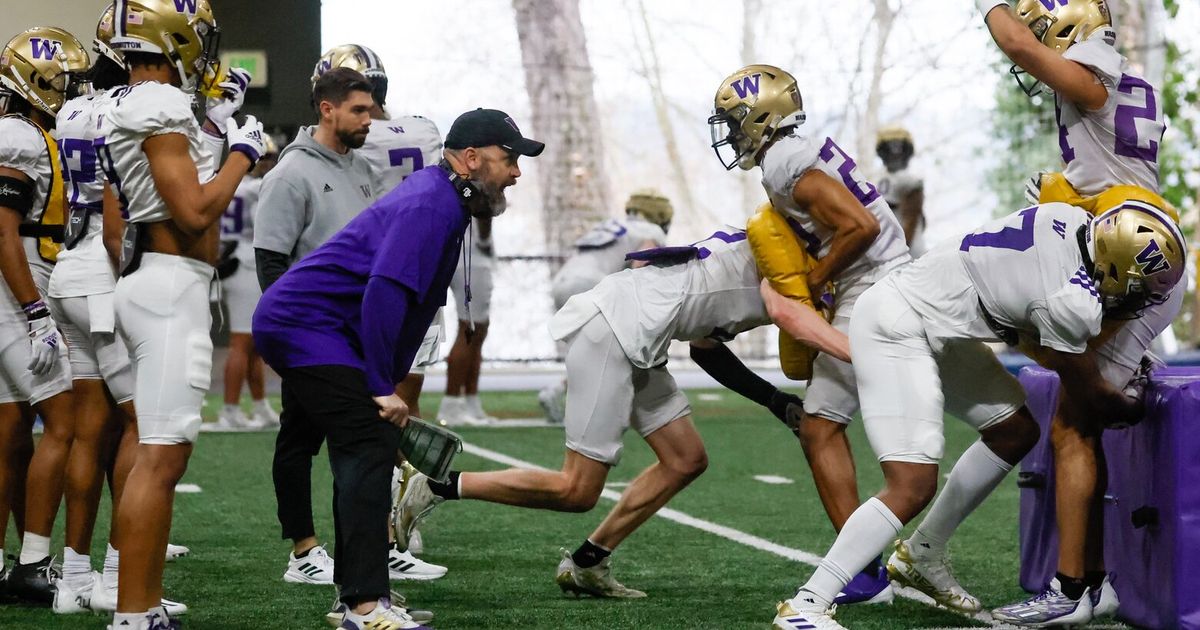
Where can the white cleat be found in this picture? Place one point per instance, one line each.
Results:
(104, 599)
(232, 421)
(596, 581)
(932, 577)
(800, 613)
(416, 502)
(176, 551)
(316, 567)
(385, 617)
(403, 565)
(72, 597)
(1104, 600)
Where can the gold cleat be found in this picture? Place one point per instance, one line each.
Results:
(932, 577)
(596, 581)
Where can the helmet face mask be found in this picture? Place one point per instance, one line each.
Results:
(1059, 26)
(752, 107)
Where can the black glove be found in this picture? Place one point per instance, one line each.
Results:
(227, 263)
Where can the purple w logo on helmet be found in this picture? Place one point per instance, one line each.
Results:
(189, 6)
(1050, 4)
(747, 85)
(1151, 259)
(45, 48)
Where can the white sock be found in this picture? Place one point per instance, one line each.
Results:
(134, 621)
(866, 533)
(76, 566)
(231, 409)
(112, 563)
(261, 403)
(1, 559)
(973, 478)
(34, 548)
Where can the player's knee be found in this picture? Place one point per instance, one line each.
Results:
(1013, 438)
(691, 465)
(815, 431)
(574, 497)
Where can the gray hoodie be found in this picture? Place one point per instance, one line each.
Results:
(309, 196)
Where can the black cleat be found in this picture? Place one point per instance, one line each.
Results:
(34, 582)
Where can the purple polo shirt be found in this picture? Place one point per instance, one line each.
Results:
(365, 298)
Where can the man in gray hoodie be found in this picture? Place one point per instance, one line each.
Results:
(320, 183)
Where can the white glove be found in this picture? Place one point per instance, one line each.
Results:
(233, 94)
(247, 139)
(1033, 187)
(984, 6)
(43, 337)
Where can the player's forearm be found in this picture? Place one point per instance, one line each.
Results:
(804, 324)
(216, 195)
(13, 264)
(1015, 40)
(850, 242)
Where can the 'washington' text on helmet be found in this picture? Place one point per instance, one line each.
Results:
(750, 108)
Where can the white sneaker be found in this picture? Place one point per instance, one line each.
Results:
(1104, 600)
(316, 567)
(176, 551)
(264, 416)
(232, 420)
(403, 565)
(338, 611)
(801, 613)
(416, 502)
(384, 617)
(553, 400)
(104, 598)
(71, 597)
(453, 412)
(475, 410)
(932, 577)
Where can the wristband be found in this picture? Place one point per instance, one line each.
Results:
(36, 309)
(247, 151)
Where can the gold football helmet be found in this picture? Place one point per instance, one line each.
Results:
(359, 58)
(46, 66)
(894, 145)
(750, 108)
(105, 30)
(1138, 254)
(183, 31)
(1059, 24)
(652, 206)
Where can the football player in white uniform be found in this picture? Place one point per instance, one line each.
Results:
(154, 156)
(1043, 277)
(617, 335)
(1110, 125)
(848, 228)
(599, 253)
(903, 190)
(39, 70)
(241, 293)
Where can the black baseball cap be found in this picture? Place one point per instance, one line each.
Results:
(490, 127)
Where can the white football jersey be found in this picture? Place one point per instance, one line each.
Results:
(1118, 143)
(85, 268)
(1025, 271)
(132, 114)
(793, 156)
(399, 147)
(602, 250)
(237, 223)
(712, 291)
(23, 148)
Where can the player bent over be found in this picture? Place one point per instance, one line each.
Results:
(617, 336)
(1048, 272)
(154, 157)
(1110, 126)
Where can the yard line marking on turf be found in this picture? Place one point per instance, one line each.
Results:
(188, 488)
(728, 533)
(774, 480)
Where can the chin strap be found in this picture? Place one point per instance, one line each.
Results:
(1081, 237)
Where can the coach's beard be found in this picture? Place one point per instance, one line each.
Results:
(497, 200)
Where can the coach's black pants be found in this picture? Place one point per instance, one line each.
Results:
(332, 401)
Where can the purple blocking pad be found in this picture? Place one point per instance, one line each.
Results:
(1152, 507)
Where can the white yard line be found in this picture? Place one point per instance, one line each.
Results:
(727, 533)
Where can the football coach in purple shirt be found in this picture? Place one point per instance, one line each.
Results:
(343, 324)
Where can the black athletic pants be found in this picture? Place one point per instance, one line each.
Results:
(331, 402)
